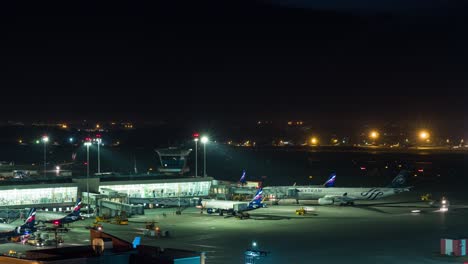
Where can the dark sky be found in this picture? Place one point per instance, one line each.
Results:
(336, 59)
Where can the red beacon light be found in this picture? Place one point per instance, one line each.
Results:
(56, 222)
(195, 135)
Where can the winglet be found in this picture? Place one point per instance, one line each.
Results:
(331, 180)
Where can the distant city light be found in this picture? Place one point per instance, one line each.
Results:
(64, 126)
(314, 141)
(254, 244)
(424, 135)
(374, 134)
(45, 139)
(70, 139)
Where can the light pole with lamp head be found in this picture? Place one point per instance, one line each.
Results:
(196, 155)
(45, 139)
(204, 140)
(98, 141)
(87, 144)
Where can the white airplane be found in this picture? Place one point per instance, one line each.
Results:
(231, 207)
(347, 195)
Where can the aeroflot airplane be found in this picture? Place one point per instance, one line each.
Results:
(231, 207)
(60, 220)
(347, 195)
(9, 231)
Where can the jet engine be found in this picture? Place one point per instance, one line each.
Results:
(325, 201)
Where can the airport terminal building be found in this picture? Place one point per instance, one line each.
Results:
(65, 191)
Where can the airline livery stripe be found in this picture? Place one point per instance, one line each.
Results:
(372, 194)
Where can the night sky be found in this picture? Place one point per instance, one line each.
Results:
(332, 60)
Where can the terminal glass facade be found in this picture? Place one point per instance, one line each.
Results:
(163, 190)
(38, 196)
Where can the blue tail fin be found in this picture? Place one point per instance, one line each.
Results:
(331, 181)
(29, 223)
(77, 208)
(242, 178)
(257, 199)
(400, 180)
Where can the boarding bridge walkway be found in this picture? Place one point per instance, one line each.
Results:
(184, 202)
(114, 208)
(278, 192)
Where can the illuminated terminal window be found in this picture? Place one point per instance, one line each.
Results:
(38, 196)
(160, 190)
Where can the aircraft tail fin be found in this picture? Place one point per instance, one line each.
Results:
(30, 220)
(400, 180)
(242, 178)
(331, 180)
(77, 208)
(257, 199)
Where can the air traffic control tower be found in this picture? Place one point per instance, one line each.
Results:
(173, 160)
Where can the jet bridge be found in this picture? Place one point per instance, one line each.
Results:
(114, 208)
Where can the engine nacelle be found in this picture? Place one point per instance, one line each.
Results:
(325, 201)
